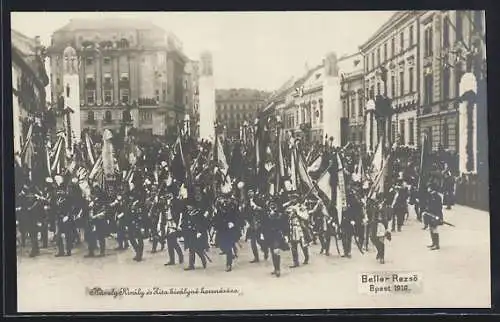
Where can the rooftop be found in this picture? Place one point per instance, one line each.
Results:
(115, 23)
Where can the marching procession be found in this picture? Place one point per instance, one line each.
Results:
(270, 190)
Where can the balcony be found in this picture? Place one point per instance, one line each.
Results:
(147, 101)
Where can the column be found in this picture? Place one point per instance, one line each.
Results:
(468, 89)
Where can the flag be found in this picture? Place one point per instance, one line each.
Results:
(293, 169)
(223, 167)
(178, 162)
(89, 147)
(280, 173)
(324, 184)
(316, 165)
(425, 162)
(377, 161)
(357, 175)
(341, 198)
(302, 172)
(107, 154)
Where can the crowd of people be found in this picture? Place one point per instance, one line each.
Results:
(181, 195)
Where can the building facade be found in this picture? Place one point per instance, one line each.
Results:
(126, 68)
(353, 97)
(191, 85)
(234, 107)
(392, 64)
(29, 106)
(452, 44)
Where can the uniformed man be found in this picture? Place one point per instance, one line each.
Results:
(448, 187)
(121, 224)
(171, 225)
(254, 216)
(96, 229)
(351, 218)
(31, 209)
(227, 224)
(298, 217)
(276, 230)
(435, 213)
(399, 204)
(64, 219)
(195, 231)
(379, 228)
(136, 227)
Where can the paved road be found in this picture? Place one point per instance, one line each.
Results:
(456, 276)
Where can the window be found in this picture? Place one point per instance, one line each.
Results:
(360, 104)
(185, 84)
(346, 112)
(124, 77)
(353, 107)
(402, 134)
(410, 74)
(393, 85)
(411, 35)
(446, 83)
(107, 79)
(106, 60)
(124, 95)
(401, 83)
(157, 93)
(459, 26)
(401, 41)
(378, 56)
(393, 131)
(89, 61)
(372, 92)
(446, 32)
(366, 63)
(164, 95)
(411, 138)
(107, 117)
(385, 51)
(90, 97)
(428, 42)
(373, 60)
(378, 88)
(108, 96)
(58, 81)
(126, 116)
(446, 139)
(428, 89)
(90, 79)
(393, 47)
(90, 117)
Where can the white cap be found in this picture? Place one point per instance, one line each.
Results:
(49, 180)
(59, 180)
(241, 185)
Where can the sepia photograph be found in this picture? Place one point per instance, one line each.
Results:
(201, 161)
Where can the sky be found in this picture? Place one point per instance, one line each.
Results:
(260, 50)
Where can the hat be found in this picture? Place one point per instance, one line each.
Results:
(49, 180)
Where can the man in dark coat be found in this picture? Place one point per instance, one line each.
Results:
(276, 232)
(435, 214)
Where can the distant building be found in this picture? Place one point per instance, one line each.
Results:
(126, 67)
(191, 85)
(235, 106)
(391, 63)
(353, 98)
(299, 102)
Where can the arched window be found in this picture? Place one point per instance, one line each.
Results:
(107, 117)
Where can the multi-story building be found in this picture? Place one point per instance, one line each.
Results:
(191, 84)
(353, 97)
(126, 67)
(392, 64)
(29, 105)
(299, 102)
(451, 43)
(235, 106)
